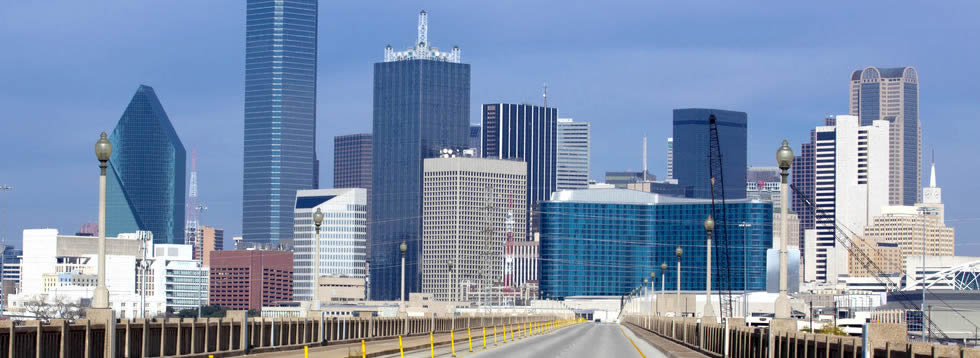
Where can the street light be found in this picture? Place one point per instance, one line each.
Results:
(317, 220)
(663, 269)
(784, 157)
(653, 282)
(709, 226)
(403, 247)
(103, 150)
(679, 251)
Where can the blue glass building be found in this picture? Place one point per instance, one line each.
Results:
(421, 106)
(145, 180)
(280, 116)
(604, 242)
(528, 133)
(691, 150)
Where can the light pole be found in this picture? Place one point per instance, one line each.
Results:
(709, 226)
(403, 247)
(317, 221)
(663, 270)
(452, 286)
(679, 251)
(784, 157)
(745, 261)
(103, 150)
(653, 282)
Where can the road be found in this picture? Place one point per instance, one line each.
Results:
(581, 340)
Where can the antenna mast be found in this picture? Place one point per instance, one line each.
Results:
(545, 95)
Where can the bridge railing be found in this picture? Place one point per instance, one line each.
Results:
(740, 341)
(227, 336)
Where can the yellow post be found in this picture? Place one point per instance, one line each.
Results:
(401, 350)
(306, 353)
(452, 342)
(363, 350)
(494, 335)
(469, 336)
(484, 337)
(432, 346)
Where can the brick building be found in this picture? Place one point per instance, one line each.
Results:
(251, 279)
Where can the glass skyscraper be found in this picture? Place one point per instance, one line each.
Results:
(892, 94)
(280, 116)
(604, 242)
(145, 180)
(421, 106)
(691, 150)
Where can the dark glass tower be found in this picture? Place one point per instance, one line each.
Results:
(691, 150)
(145, 180)
(528, 133)
(352, 161)
(280, 116)
(421, 105)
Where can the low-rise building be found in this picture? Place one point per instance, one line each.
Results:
(341, 289)
(251, 279)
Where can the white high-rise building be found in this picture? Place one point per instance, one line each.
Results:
(343, 236)
(851, 187)
(670, 158)
(472, 209)
(574, 141)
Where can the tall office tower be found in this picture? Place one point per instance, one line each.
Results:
(670, 158)
(145, 180)
(529, 133)
(280, 116)
(471, 209)
(574, 143)
(212, 239)
(851, 161)
(802, 178)
(475, 138)
(892, 94)
(191, 225)
(692, 149)
(352, 161)
(343, 236)
(421, 106)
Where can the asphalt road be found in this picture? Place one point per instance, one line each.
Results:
(586, 340)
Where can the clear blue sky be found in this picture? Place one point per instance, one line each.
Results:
(68, 69)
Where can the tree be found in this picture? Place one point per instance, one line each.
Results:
(832, 330)
(38, 306)
(68, 309)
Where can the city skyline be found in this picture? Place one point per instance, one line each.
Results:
(72, 122)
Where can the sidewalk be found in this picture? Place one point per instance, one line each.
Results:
(669, 347)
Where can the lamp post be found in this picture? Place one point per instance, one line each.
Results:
(103, 150)
(709, 226)
(317, 221)
(653, 282)
(678, 251)
(403, 247)
(452, 287)
(784, 156)
(645, 281)
(663, 270)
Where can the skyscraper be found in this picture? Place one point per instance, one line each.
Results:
(528, 133)
(851, 161)
(462, 197)
(343, 236)
(803, 179)
(691, 150)
(574, 141)
(352, 161)
(145, 180)
(892, 94)
(280, 116)
(475, 139)
(670, 158)
(421, 106)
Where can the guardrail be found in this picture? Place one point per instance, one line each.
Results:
(740, 341)
(220, 337)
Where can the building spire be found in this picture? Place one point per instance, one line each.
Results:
(423, 39)
(932, 175)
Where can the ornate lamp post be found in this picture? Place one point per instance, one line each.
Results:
(709, 226)
(403, 247)
(653, 283)
(317, 220)
(784, 156)
(103, 150)
(663, 270)
(679, 251)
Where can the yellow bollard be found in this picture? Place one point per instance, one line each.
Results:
(470, 337)
(432, 346)
(401, 351)
(484, 337)
(306, 353)
(452, 342)
(363, 350)
(494, 335)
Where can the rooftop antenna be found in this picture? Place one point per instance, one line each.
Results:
(423, 38)
(644, 158)
(545, 95)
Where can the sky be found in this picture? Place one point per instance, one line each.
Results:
(69, 68)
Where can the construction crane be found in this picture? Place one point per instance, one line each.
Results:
(843, 238)
(720, 234)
